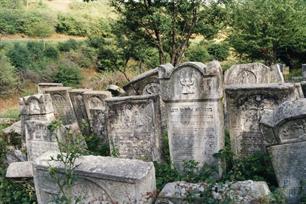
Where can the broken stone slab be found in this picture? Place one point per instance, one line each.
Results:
(134, 127)
(246, 104)
(253, 73)
(241, 192)
(193, 94)
(115, 90)
(42, 86)
(98, 179)
(20, 170)
(289, 166)
(15, 155)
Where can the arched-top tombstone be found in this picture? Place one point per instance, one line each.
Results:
(38, 104)
(253, 73)
(193, 95)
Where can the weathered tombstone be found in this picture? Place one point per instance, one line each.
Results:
(144, 84)
(304, 71)
(284, 131)
(77, 100)
(62, 105)
(303, 85)
(193, 95)
(96, 112)
(98, 180)
(134, 127)
(42, 86)
(115, 90)
(245, 105)
(254, 73)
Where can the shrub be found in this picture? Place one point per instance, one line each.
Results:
(72, 25)
(68, 73)
(68, 45)
(85, 57)
(8, 77)
(218, 51)
(197, 53)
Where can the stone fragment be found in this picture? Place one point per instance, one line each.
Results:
(42, 86)
(241, 192)
(99, 180)
(20, 170)
(246, 105)
(193, 95)
(254, 73)
(15, 128)
(134, 127)
(14, 155)
(115, 90)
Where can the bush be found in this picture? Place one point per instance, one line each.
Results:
(218, 51)
(10, 21)
(197, 53)
(8, 77)
(68, 45)
(72, 25)
(68, 73)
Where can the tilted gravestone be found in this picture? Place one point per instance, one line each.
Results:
(77, 100)
(254, 73)
(134, 127)
(62, 105)
(42, 86)
(284, 131)
(245, 105)
(96, 112)
(98, 180)
(193, 95)
(144, 84)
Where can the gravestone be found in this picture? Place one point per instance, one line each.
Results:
(96, 112)
(35, 107)
(98, 180)
(134, 127)
(42, 86)
(62, 105)
(246, 105)
(193, 95)
(77, 100)
(303, 85)
(304, 71)
(144, 84)
(284, 131)
(254, 73)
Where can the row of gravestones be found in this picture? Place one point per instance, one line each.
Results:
(187, 101)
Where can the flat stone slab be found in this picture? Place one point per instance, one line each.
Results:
(20, 170)
(14, 128)
(99, 179)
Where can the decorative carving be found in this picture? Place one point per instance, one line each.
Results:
(151, 89)
(246, 77)
(187, 82)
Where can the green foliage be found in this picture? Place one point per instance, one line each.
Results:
(11, 4)
(32, 23)
(96, 147)
(8, 77)
(198, 53)
(218, 51)
(68, 45)
(269, 30)
(68, 73)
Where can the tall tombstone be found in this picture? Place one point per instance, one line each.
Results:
(42, 86)
(134, 127)
(193, 95)
(284, 131)
(246, 105)
(77, 100)
(96, 112)
(254, 73)
(62, 105)
(98, 180)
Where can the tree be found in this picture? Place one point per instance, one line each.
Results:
(269, 30)
(8, 77)
(168, 26)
